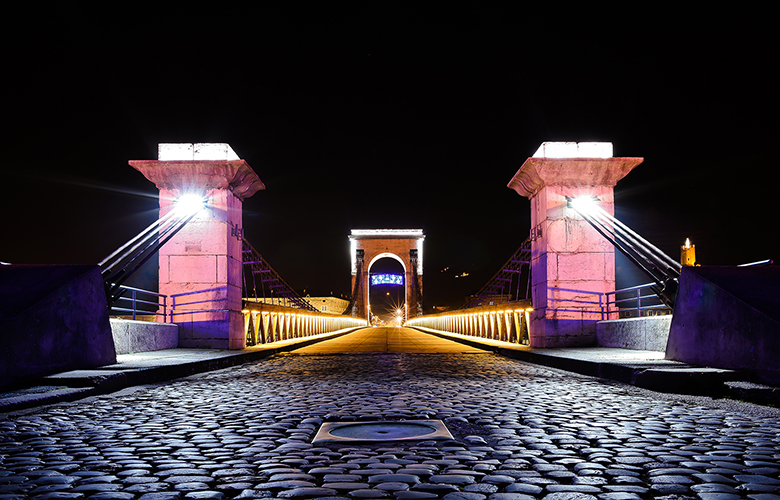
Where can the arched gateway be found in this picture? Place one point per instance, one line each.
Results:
(368, 246)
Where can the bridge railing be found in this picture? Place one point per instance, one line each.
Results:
(137, 302)
(267, 323)
(635, 302)
(507, 322)
(627, 302)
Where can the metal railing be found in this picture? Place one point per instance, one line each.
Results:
(623, 303)
(140, 302)
(507, 322)
(649, 304)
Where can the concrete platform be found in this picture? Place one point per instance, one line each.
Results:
(645, 369)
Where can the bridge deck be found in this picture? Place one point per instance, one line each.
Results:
(387, 339)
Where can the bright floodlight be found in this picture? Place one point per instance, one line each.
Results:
(583, 204)
(190, 203)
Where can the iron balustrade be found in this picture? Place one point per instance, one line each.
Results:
(507, 322)
(266, 323)
(178, 307)
(608, 305)
(650, 303)
(140, 302)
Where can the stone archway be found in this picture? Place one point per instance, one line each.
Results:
(386, 299)
(369, 245)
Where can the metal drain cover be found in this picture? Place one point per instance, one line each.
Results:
(380, 431)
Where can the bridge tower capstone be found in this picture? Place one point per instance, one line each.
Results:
(200, 267)
(568, 257)
(404, 245)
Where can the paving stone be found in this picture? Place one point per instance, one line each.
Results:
(484, 488)
(369, 494)
(147, 488)
(457, 479)
(510, 496)
(671, 479)
(618, 495)
(713, 488)
(719, 496)
(167, 495)
(464, 495)
(568, 495)
(498, 479)
(670, 489)
(306, 493)
(208, 495)
(396, 478)
(392, 486)
(246, 432)
(112, 495)
(577, 488)
(414, 495)
(754, 479)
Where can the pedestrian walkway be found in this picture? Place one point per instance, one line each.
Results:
(519, 432)
(387, 339)
(647, 369)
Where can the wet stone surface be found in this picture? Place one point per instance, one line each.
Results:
(522, 432)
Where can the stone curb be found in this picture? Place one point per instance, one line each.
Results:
(104, 380)
(681, 379)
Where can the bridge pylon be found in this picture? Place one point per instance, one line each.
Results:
(570, 262)
(200, 267)
(368, 246)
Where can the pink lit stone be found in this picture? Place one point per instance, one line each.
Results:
(566, 252)
(200, 267)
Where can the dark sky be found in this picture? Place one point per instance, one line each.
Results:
(386, 116)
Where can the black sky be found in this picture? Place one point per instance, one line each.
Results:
(388, 116)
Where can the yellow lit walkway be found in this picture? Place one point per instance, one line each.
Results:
(386, 339)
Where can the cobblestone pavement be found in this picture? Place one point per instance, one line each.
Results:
(522, 432)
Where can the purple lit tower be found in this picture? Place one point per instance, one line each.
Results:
(571, 264)
(200, 267)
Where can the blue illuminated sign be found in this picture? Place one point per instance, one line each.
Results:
(387, 279)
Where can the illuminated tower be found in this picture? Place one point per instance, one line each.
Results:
(572, 266)
(200, 267)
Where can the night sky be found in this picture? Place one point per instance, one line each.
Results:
(386, 116)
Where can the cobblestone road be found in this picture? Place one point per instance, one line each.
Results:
(522, 432)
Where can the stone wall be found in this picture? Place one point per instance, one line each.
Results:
(143, 336)
(728, 317)
(53, 318)
(648, 334)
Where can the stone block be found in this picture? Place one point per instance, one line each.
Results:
(648, 334)
(728, 317)
(193, 269)
(143, 336)
(52, 319)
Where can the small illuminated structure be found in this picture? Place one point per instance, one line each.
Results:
(368, 246)
(688, 253)
(570, 261)
(200, 267)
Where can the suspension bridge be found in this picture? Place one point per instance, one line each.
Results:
(219, 291)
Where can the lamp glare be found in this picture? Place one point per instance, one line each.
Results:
(190, 203)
